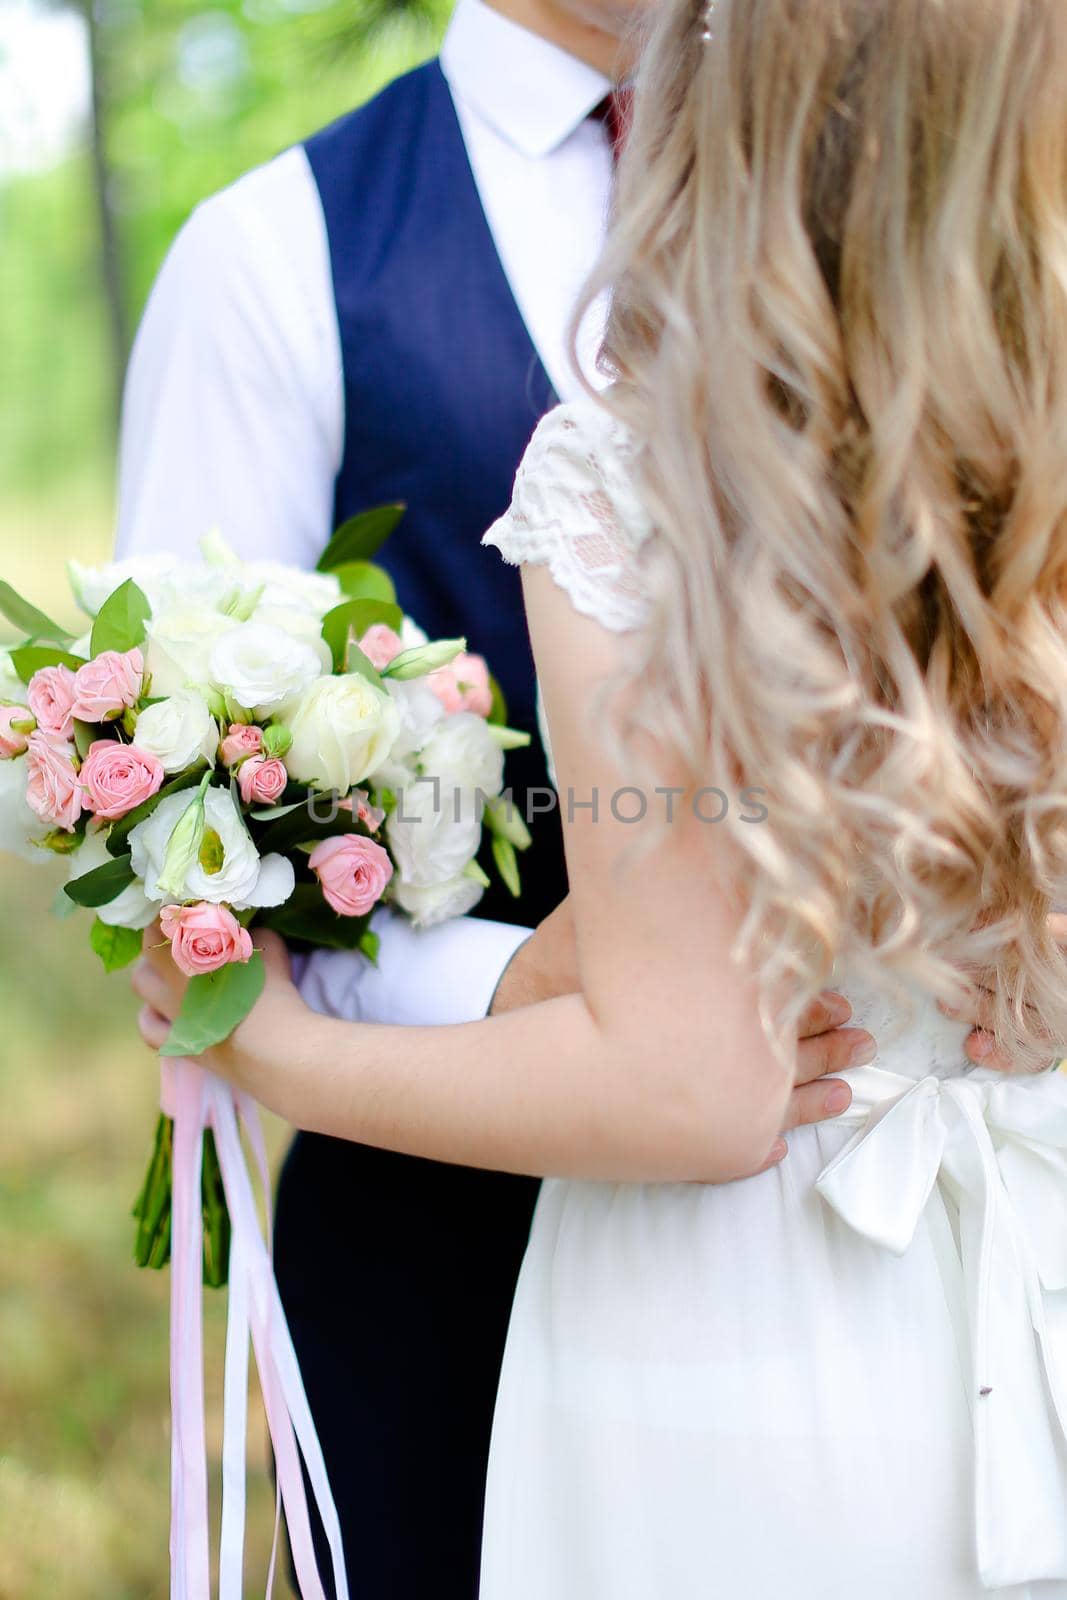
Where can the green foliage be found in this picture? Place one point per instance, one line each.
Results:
(103, 884)
(214, 1004)
(301, 824)
(350, 620)
(363, 580)
(116, 947)
(120, 622)
(85, 736)
(30, 658)
(498, 710)
(27, 618)
(305, 916)
(356, 661)
(360, 537)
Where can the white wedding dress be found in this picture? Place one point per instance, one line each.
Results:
(845, 1379)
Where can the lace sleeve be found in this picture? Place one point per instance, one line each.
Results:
(574, 510)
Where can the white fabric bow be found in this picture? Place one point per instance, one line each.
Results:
(998, 1147)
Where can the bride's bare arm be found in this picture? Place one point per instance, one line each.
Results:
(656, 1070)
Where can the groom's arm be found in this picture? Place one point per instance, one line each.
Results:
(233, 418)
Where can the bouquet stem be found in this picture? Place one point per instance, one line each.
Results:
(152, 1208)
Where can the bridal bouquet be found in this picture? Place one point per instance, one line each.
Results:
(234, 745)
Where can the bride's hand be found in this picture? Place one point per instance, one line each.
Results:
(246, 1057)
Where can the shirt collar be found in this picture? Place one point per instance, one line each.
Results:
(533, 93)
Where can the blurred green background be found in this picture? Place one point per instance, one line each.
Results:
(115, 119)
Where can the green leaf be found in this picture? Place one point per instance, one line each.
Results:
(369, 946)
(507, 863)
(118, 838)
(85, 734)
(272, 813)
(307, 917)
(116, 947)
(102, 885)
(214, 1004)
(153, 1205)
(356, 661)
(27, 618)
(120, 621)
(352, 618)
(359, 537)
(498, 711)
(30, 658)
(301, 826)
(364, 580)
(215, 1215)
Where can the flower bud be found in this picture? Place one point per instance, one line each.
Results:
(277, 741)
(503, 819)
(423, 658)
(183, 847)
(508, 738)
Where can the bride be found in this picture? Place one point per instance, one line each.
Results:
(812, 542)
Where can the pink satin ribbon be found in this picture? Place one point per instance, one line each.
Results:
(196, 1099)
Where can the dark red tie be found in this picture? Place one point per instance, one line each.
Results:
(614, 112)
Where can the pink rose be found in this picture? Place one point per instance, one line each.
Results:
(51, 697)
(353, 872)
(204, 937)
(107, 684)
(380, 645)
(358, 802)
(53, 791)
(116, 777)
(262, 780)
(12, 743)
(243, 739)
(463, 685)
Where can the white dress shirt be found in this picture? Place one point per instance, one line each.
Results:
(233, 416)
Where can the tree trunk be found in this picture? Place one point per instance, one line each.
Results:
(110, 259)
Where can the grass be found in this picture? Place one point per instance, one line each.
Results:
(84, 1443)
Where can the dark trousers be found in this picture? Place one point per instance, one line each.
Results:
(397, 1277)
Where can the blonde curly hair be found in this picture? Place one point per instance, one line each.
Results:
(838, 333)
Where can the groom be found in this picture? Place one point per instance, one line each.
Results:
(381, 315)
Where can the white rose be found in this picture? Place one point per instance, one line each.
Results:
(129, 909)
(260, 666)
(462, 751)
(179, 643)
(191, 586)
(19, 827)
(438, 902)
(343, 729)
(303, 625)
(420, 711)
(243, 879)
(270, 583)
(289, 589)
(434, 832)
(180, 731)
(93, 585)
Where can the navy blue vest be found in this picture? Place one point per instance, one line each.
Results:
(443, 388)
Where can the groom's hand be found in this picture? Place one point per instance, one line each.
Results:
(546, 965)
